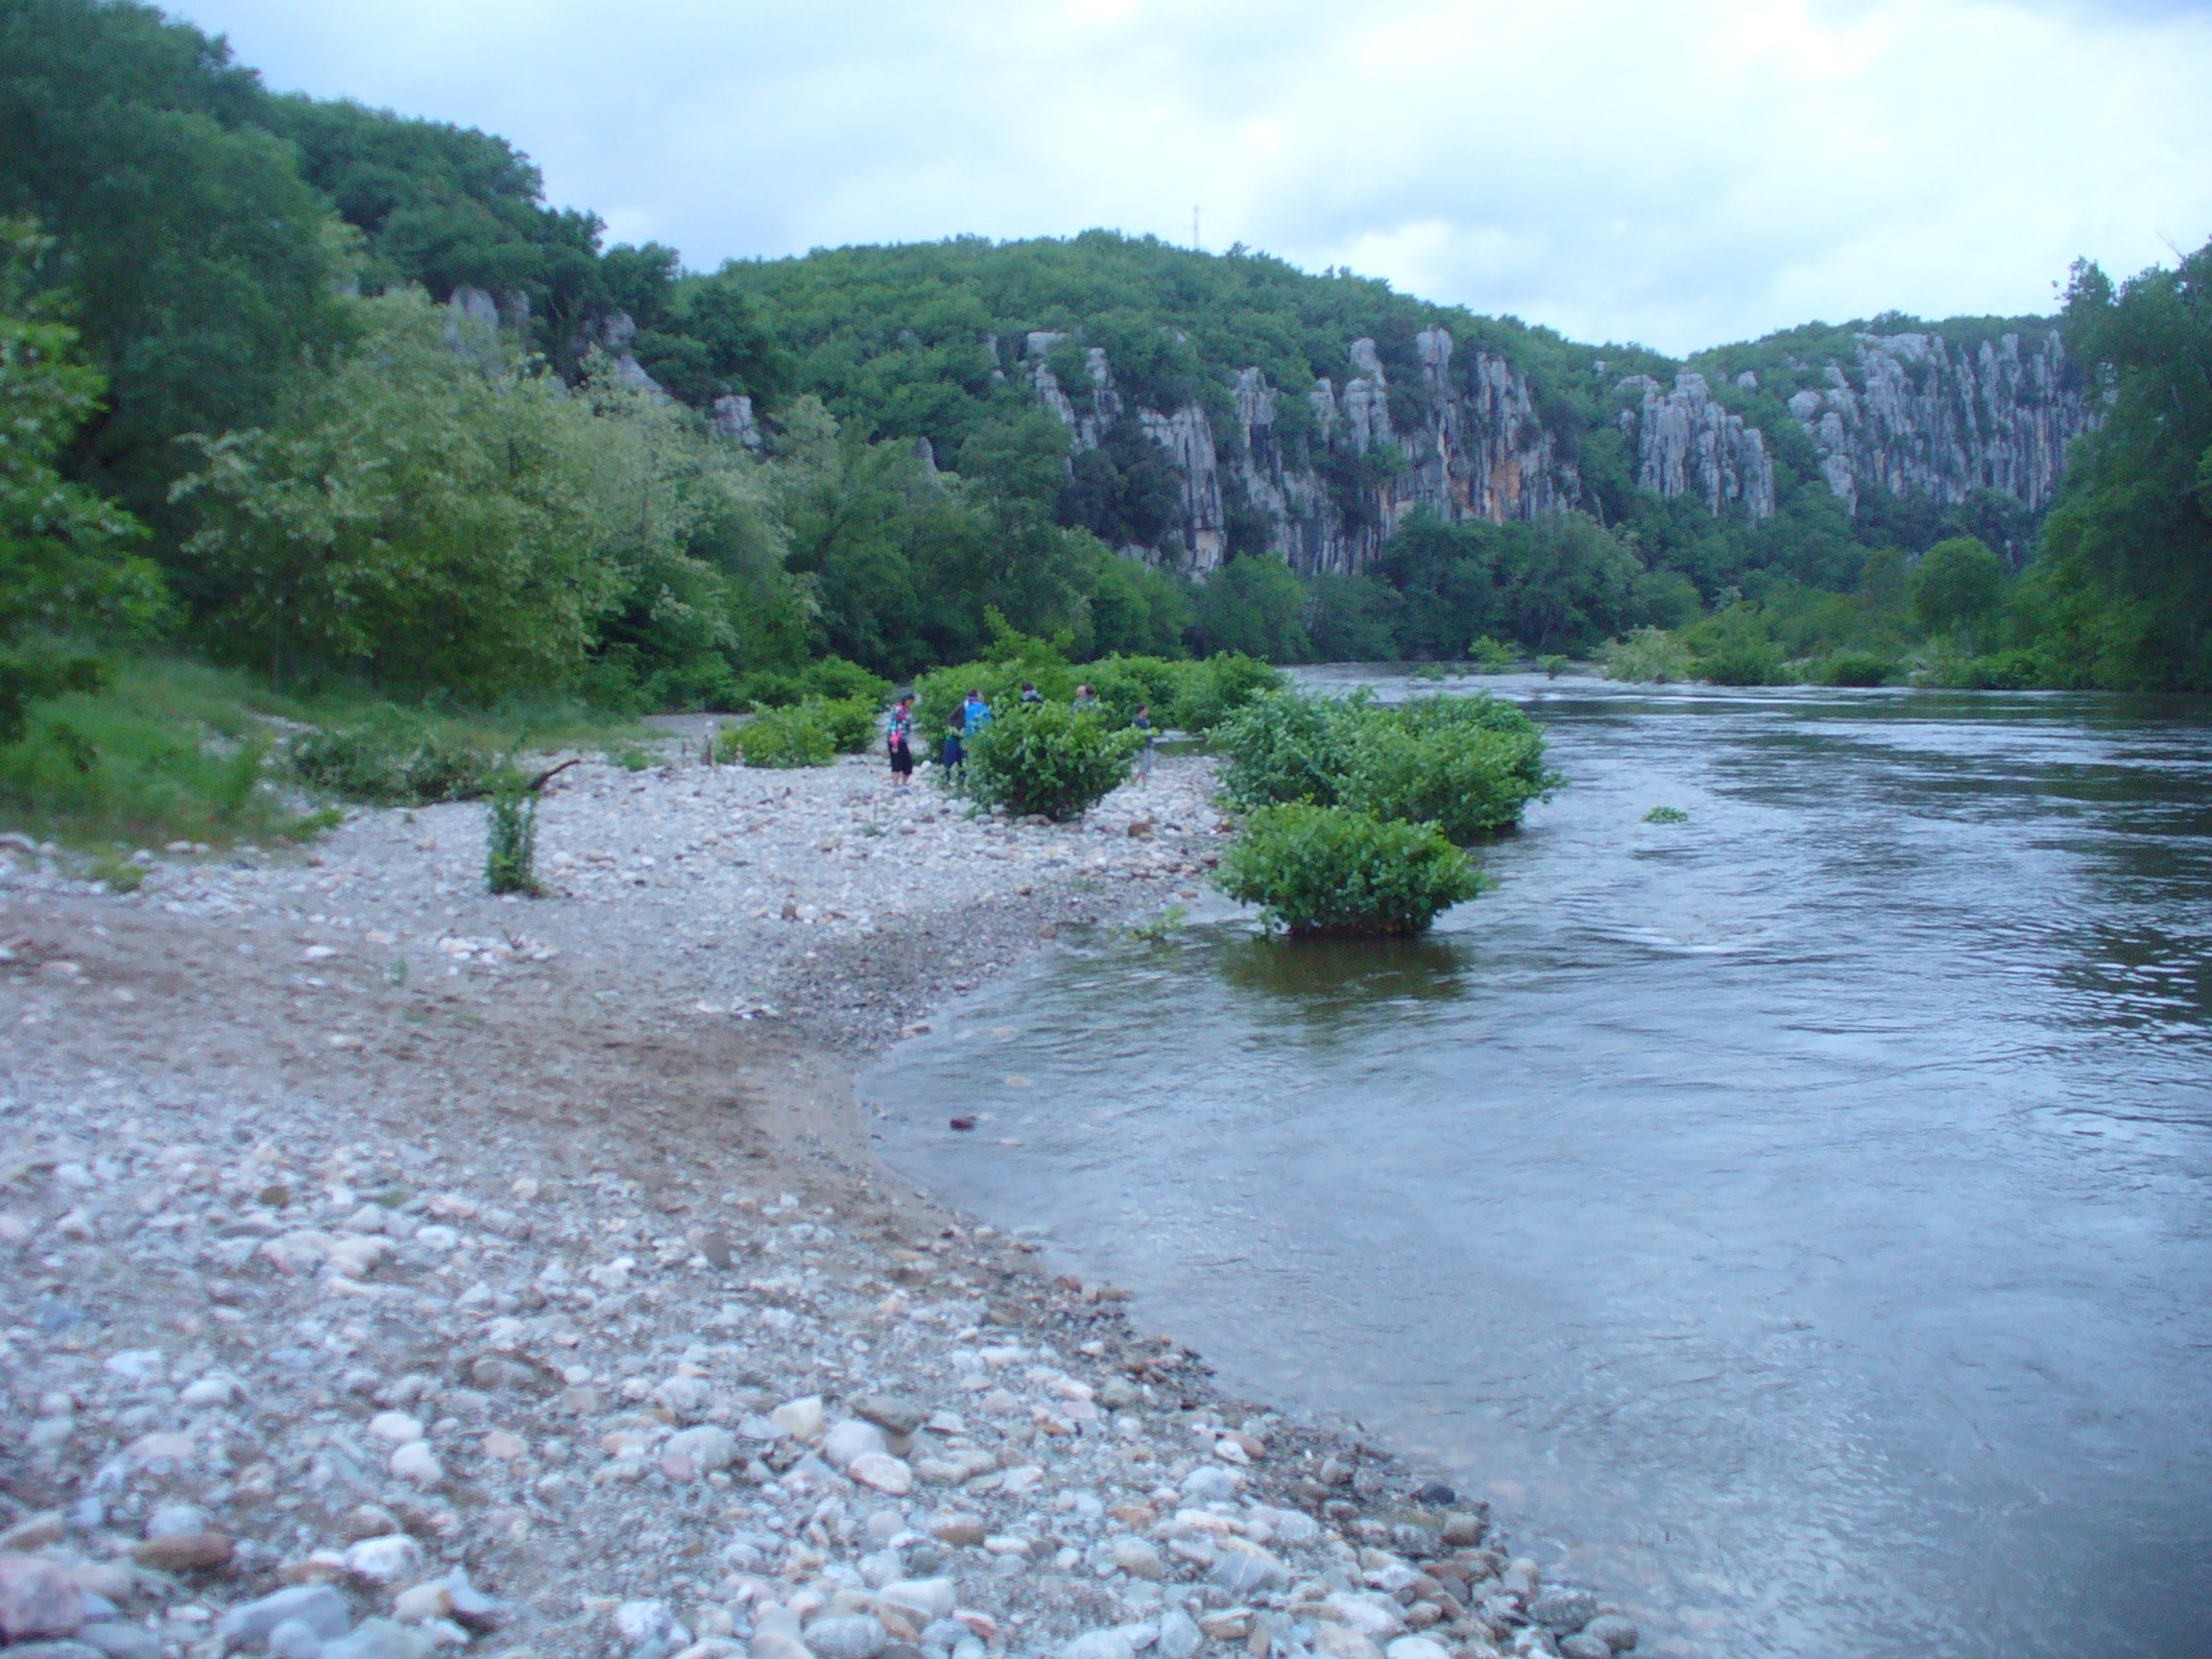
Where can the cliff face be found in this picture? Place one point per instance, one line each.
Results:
(1687, 444)
(1919, 418)
(1326, 497)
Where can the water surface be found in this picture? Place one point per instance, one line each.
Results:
(1795, 1220)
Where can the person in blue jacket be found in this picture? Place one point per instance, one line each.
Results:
(975, 715)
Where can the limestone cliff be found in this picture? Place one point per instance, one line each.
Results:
(1687, 444)
(1911, 415)
(1327, 496)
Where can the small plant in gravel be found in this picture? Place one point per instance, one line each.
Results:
(1665, 815)
(510, 842)
(1048, 759)
(1333, 871)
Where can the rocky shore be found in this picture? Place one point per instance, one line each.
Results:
(385, 1269)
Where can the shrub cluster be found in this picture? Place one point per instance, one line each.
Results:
(1186, 696)
(1331, 869)
(1046, 759)
(810, 733)
(1469, 765)
(1649, 656)
(1359, 810)
(391, 760)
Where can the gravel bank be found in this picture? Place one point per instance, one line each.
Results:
(386, 1268)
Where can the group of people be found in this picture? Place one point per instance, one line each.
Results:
(974, 714)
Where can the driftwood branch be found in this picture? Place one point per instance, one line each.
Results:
(549, 775)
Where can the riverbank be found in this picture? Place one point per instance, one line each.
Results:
(522, 1275)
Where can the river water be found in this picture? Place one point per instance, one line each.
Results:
(1797, 1220)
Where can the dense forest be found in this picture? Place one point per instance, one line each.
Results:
(244, 424)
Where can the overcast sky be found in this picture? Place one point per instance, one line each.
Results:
(1675, 171)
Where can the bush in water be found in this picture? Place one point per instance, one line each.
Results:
(1469, 764)
(1048, 759)
(1649, 656)
(1329, 870)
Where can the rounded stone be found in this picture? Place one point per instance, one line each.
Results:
(886, 1473)
(854, 1637)
(415, 1462)
(1617, 1633)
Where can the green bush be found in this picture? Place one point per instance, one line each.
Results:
(1469, 783)
(1742, 662)
(1554, 666)
(939, 693)
(785, 738)
(391, 759)
(1329, 870)
(834, 680)
(1048, 759)
(2021, 671)
(1471, 765)
(1856, 668)
(849, 721)
(1649, 656)
(1209, 691)
(1288, 747)
(1665, 815)
(765, 689)
(1492, 655)
(1186, 696)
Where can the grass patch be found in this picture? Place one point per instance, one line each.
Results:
(171, 750)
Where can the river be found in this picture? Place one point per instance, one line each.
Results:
(1797, 1220)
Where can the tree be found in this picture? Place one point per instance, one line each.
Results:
(2128, 548)
(1957, 587)
(1253, 604)
(203, 263)
(424, 518)
(66, 566)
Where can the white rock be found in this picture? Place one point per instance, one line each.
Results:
(709, 1447)
(208, 1391)
(800, 1419)
(1416, 1647)
(395, 1426)
(850, 1439)
(1098, 1645)
(416, 1462)
(932, 1598)
(382, 1560)
(886, 1473)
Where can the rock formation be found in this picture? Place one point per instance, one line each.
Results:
(1476, 450)
(1918, 418)
(1687, 444)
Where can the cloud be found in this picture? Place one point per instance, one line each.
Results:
(1678, 174)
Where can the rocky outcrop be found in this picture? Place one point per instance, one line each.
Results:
(1327, 497)
(1915, 417)
(1687, 444)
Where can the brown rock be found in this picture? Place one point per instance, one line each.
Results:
(33, 1531)
(186, 1553)
(964, 1530)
